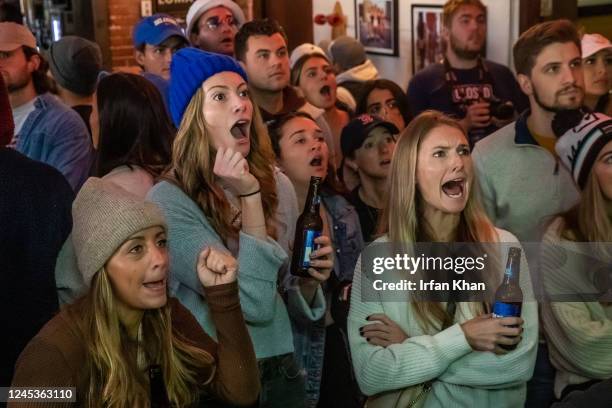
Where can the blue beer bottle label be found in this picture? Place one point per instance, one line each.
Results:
(501, 309)
(309, 246)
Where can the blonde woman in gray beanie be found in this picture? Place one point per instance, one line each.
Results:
(126, 343)
(576, 258)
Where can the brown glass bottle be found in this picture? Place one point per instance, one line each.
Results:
(509, 296)
(308, 228)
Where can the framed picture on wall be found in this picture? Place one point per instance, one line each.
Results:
(377, 25)
(427, 44)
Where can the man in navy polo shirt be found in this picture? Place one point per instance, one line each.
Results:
(482, 95)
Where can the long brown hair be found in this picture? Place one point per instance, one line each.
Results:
(402, 217)
(111, 374)
(145, 142)
(331, 185)
(193, 157)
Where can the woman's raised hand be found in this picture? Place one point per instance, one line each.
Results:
(216, 267)
(233, 170)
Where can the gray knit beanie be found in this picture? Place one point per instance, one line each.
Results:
(104, 216)
(75, 64)
(347, 52)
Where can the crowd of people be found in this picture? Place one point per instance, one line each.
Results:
(147, 221)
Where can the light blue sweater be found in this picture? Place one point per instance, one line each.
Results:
(259, 264)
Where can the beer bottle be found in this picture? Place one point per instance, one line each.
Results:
(308, 228)
(509, 296)
(158, 394)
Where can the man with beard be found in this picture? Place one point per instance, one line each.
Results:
(482, 94)
(46, 130)
(523, 186)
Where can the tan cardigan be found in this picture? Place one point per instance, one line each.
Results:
(54, 357)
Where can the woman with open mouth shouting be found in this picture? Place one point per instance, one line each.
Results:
(314, 75)
(302, 153)
(439, 353)
(223, 191)
(126, 343)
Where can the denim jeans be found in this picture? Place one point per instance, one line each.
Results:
(282, 383)
(540, 389)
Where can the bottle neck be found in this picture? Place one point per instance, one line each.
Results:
(312, 199)
(512, 271)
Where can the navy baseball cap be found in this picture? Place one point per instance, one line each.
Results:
(156, 29)
(358, 129)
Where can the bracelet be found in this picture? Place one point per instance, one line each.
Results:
(254, 226)
(250, 194)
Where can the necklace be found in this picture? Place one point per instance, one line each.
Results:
(140, 354)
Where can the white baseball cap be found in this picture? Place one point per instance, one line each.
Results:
(200, 7)
(593, 43)
(303, 50)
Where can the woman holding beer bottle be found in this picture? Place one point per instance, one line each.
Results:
(303, 155)
(126, 343)
(576, 258)
(439, 354)
(223, 191)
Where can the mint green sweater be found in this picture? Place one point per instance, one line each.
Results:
(462, 377)
(579, 334)
(259, 264)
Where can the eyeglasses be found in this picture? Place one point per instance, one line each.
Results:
(214, 23)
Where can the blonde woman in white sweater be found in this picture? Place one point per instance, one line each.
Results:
(579, 328)
(400, 344)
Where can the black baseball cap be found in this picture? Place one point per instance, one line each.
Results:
(357, 131)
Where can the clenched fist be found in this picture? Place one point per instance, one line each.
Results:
(216, 267)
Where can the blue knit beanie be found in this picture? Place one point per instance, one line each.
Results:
(189, 69)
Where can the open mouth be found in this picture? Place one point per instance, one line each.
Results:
(240, 129)
(316, 161)
(385, 162)
(325, 91)
(227, 40)
(454, 188)
(155, 285)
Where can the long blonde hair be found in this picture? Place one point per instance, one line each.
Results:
(403, 219)
(111, 374)
(193, 160)
(589, 220)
